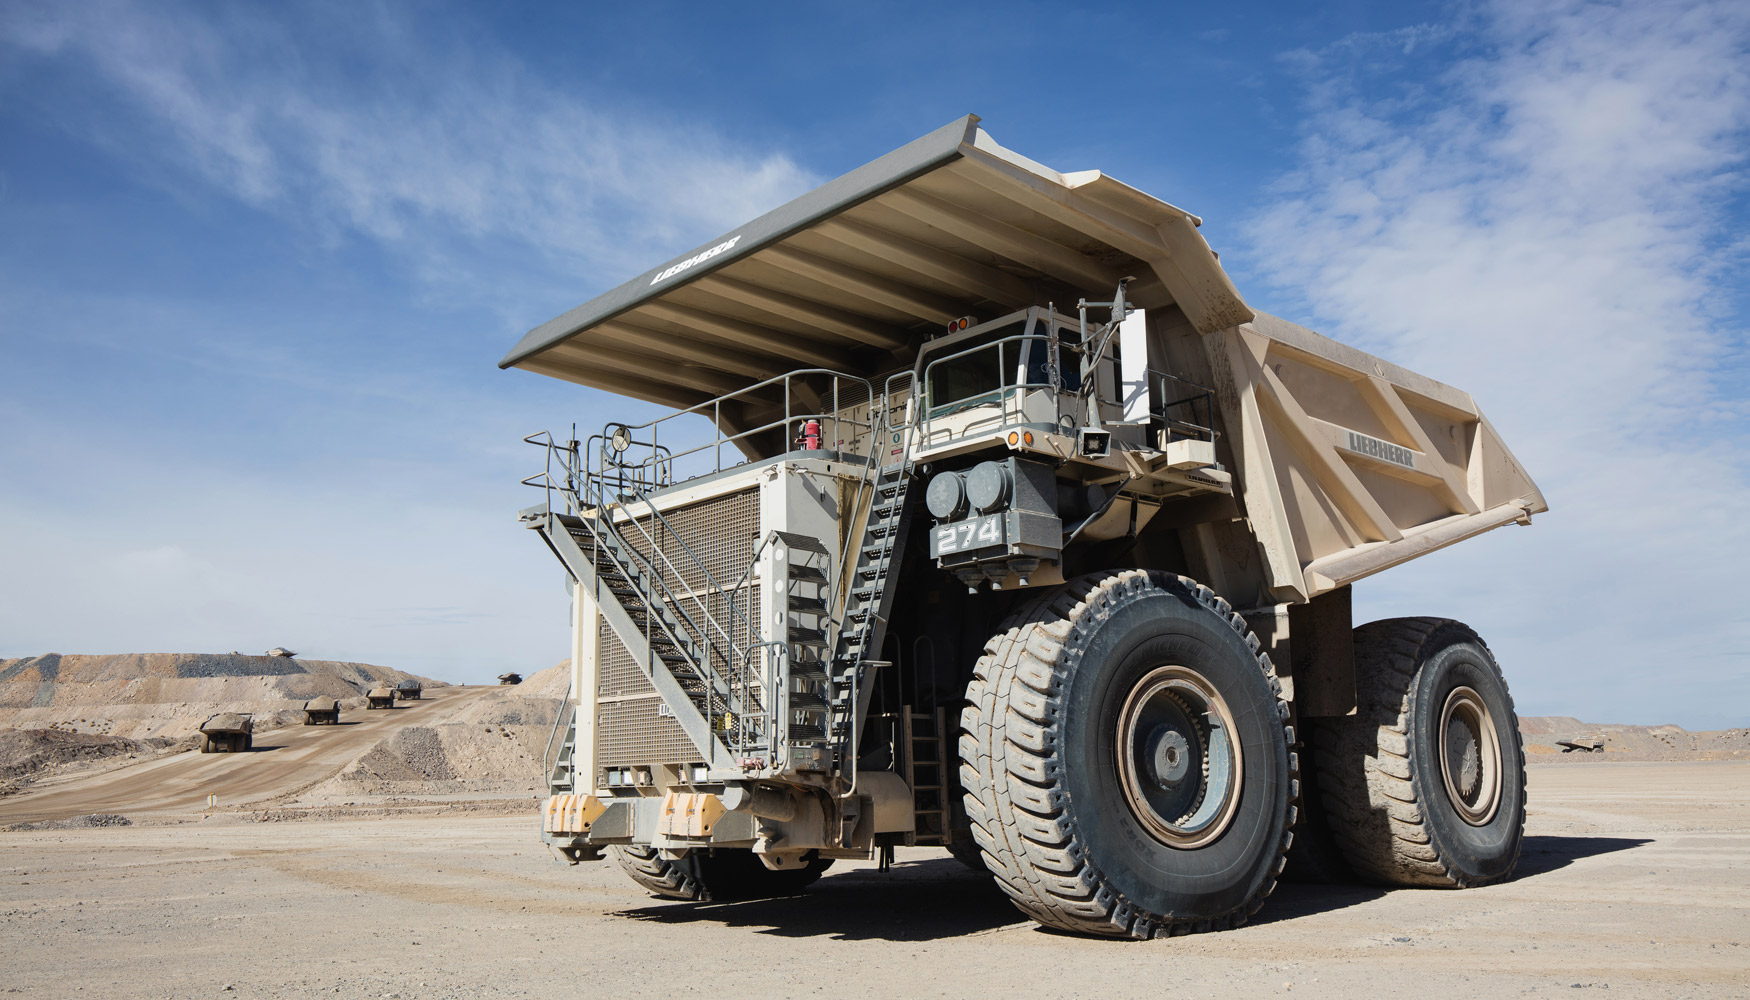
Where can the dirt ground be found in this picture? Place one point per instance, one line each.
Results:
(1635, 880)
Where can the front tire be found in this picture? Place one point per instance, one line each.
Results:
(1125, 759)
(1425, 784)
(723, 875)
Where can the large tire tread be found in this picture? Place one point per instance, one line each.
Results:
(1010, 772)
(1374, 813)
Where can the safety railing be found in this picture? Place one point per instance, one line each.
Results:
(806, 409)
(1035, 386)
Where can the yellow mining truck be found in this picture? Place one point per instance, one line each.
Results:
(990, 516)
(382, 696)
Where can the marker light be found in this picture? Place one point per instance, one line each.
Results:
(1014, 439)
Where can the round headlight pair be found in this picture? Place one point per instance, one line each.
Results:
(986, 488)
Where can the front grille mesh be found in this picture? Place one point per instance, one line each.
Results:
(723, 534)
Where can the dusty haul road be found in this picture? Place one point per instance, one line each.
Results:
(1635, 882)
(283, 762)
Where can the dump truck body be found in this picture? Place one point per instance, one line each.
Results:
(228, 732)
(380, 697)
(408, 690)
(322, 712)
(953, 397)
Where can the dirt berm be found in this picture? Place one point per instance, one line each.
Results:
(141, 695)
(496, 743)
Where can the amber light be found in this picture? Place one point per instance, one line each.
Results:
(1027, 437)
(1014, 439)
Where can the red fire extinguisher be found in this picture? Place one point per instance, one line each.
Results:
(811, 436)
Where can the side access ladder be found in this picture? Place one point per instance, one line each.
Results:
(868, 604)
(924, 736)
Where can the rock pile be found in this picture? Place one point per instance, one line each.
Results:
(496, 744)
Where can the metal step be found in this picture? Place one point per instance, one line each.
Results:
(807, 574)
(804, 542)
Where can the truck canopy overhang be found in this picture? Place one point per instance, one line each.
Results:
(856, 274)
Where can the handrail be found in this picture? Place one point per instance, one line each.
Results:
(713, 409)
(720, 644)
(547, 751)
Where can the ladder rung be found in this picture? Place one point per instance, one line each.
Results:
(807, 574)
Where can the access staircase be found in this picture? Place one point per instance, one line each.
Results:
(687, 652)
(559, 778)
(868, 604)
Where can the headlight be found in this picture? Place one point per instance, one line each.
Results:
(987, 486)
(946, 496)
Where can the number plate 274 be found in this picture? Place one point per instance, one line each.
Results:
(962, 536)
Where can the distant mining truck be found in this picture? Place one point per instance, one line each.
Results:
(510, 678)
(322, 712)
(380, 697)
(228, 732)
(990, 516)
(407, 690)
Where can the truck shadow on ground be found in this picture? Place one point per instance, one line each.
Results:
(1541, 855)
(939, 898)
(922, 900)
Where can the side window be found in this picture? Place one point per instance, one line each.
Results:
(1068, 361)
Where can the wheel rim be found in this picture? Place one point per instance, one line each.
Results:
(1179, 758)
(1470, 756)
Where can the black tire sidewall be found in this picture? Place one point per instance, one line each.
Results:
(1146, 630)
(1473, 853)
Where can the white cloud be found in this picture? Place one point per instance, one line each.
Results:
(424, 143)
(1546, 227)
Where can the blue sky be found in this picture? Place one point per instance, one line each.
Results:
(257, 265)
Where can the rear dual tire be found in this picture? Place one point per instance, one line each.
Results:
(721, 875)
(1425, 784)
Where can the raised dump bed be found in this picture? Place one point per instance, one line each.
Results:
(991, 516)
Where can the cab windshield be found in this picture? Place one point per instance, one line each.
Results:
(977, 370)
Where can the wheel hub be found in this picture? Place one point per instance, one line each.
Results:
(1470, 756)
(1179, 758)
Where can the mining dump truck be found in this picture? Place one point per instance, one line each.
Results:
(380, 697)
(407, 690)
(322, 712)
(988, 515)
(228, 732)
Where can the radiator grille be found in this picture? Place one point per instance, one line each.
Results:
(722, 533)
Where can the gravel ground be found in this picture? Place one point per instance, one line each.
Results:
(1635, 882)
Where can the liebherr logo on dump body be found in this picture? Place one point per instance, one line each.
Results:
(698, 258)
(1385, 451)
